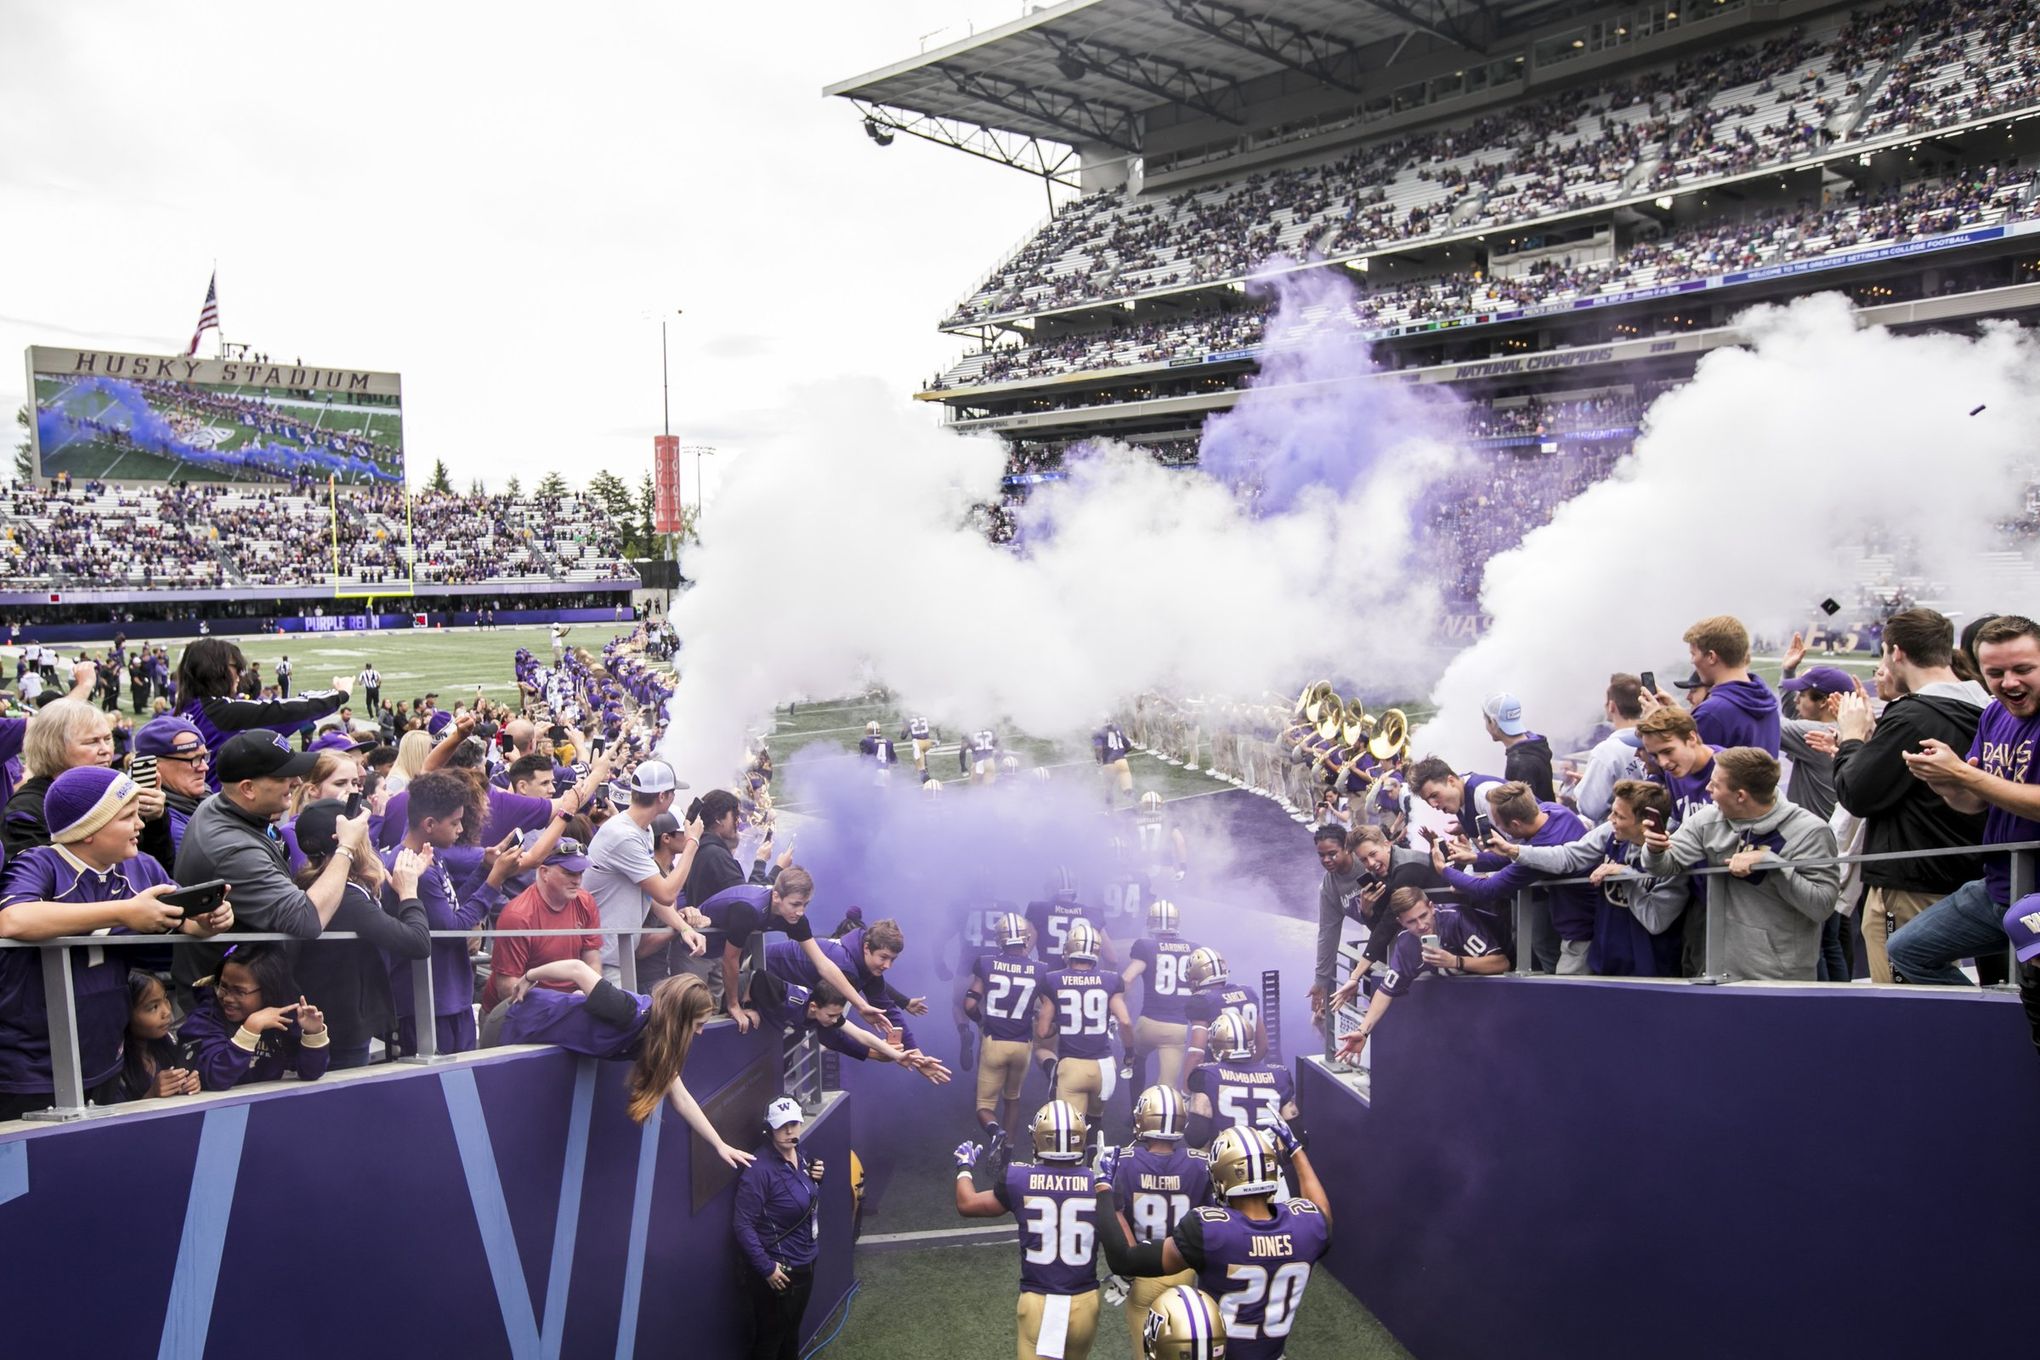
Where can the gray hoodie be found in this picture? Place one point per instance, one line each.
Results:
(1772, 918)
(1656, 902)
(1333, 895)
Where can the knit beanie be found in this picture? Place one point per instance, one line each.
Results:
(82, 800)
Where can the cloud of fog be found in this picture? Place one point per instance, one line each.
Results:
(1751, 492)
(840, 555)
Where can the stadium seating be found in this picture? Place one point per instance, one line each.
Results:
(1902, 68)
(227, 537)
(1927, 207)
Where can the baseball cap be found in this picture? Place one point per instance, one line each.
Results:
(782, 1112)
(1692, 681)
(1820, 680)
(654, 776)
(316, 827)
(438, 721)
(1506, 710)
(159, 736)
(570, 855)
(260, 754)
(337, 741)
(2022, 923)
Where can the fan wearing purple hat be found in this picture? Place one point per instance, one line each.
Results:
(2022, 927)
(92, 877)
(178, 749)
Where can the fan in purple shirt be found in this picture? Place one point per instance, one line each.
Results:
(1521, 819)
(1434, 939)
(247, 1028)
(1740, 709)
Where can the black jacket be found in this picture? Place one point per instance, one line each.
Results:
(25, 826)
(350, 979)
(716, 868)
(1529, 762)
(1899, 811)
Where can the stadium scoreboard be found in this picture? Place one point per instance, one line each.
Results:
(154, 417)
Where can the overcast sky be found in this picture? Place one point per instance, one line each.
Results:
(496, 201)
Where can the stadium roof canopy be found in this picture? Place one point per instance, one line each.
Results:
(1084, 72)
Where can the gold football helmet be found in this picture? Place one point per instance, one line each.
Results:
(1243, 1162)
(1013, 930)
(1059, 1133)
(1229, 1039)
(1159, 1114)
(1163, 918)
(1151, 804)
(1184, 1324)
(932, 787)
(1081, 942)
(1204, 968)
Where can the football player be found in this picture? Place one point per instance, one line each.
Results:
(1162, 847)
(1164, 1025)
(1158, 1180)
(1234, 1088)
(977, 755)
(1182, 1324)
(919, 731)
(976, 921)
(878, 749)
(1053, 918)
(1000, 998)
(1211, 992)
(1077, 1007)
(1054, 1198)
(1112, 748)
(1254, 1255)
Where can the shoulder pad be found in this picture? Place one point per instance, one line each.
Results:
(1211, 1214)
(1199, 1155)
(1302, 1206)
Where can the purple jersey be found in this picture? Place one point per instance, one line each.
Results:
(1256, 1269)
(1057, 1206)
(1051, 921)
(1110, 743)
(1158, 1188)
(1125, 900)
(1165, 995)
(545, 1016)
(2004, 747)
(977, 924)
(1243, 1092)
(1456, 935)
(1083, 1011)
(1205, 1006)
(1010, 982)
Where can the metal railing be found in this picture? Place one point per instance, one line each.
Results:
(804, 1071)
(1529, 915)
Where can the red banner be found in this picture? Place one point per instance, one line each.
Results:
(666, 511)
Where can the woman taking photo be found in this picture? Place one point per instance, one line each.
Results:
(350, 979)
(208, 678)
(778, 1209)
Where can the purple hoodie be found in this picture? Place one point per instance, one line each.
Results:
(1740, 713)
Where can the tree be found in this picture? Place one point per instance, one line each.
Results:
(608, 490)
(647, 536)
(476, 489)
(513, 488)
(440, 481)
(24, 451)
(552, 488)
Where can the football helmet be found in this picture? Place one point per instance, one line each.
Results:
(1060, 1133)
(1204, 968)
(1041, 775)
(1081, 942)
(1229, 1039)
(871, 729)
(1243, 1162)
(1151, 803)
(931, 787)
(1158, 1114)
(1183, 1324)
(1163, 918)
(1009, 764)
(1062, 884)
(1012, 930)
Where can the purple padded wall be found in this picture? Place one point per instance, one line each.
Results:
(1616, 1169)
(412, 1212)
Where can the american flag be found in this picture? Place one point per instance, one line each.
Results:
(208, 315)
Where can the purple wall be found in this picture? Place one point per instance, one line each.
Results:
(1618, 1169)
(413, 1212)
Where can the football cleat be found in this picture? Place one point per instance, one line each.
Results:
(1060, 1133)
(1204, 968)
(1228, 1039)
(1151, 803)
(1159, 1113)
(1183, 1324)
(1243, 1162)
(1013, 931)
(1082, 941)
(966, 1047)
(1163, 918)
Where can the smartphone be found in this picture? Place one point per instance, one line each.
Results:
(1483, 827)
(353, 804)
(517, 837)
(1649, 679)
(142, 769)
(1430, 941)
(199, 898)
(1652, 818)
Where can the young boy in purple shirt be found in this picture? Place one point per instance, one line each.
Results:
(1434, 939)
(435, 817)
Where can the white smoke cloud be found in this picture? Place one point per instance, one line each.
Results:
(1750, 492)
(839, 555)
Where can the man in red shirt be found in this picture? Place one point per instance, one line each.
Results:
(554, 901)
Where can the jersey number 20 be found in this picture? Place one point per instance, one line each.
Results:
(1282, 1292)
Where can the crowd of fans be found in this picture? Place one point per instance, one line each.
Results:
(1986, 194)
(1905, 67)
(226, 536)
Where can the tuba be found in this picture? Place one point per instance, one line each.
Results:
(1391, 739)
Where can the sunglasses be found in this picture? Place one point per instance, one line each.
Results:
(195, 758)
